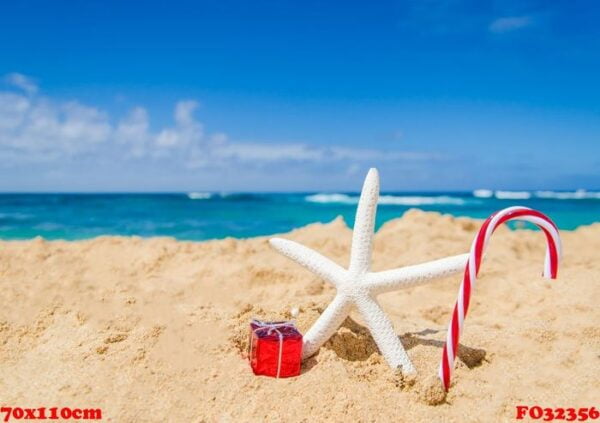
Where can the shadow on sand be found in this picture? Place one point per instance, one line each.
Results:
(357, 344)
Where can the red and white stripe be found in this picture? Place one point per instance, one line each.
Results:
(553, 254)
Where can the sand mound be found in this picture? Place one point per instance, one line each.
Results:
(156, 330)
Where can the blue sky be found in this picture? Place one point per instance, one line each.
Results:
(280, 95)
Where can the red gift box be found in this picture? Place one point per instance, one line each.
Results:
(275, 348)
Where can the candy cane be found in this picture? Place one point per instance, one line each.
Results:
(553, 254)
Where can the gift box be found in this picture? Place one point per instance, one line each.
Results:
(275, 348)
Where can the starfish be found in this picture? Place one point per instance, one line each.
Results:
(358, 287)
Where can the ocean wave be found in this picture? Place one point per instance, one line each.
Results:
(15, 216)
(409, 200)
(580, 194)
(397, 200)
(199, 195)
(331, 198)
(241, 196)
(512, 195)
(227, 196)
(49, 226)
(483, 193)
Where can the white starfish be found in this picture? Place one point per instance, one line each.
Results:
(359, 287)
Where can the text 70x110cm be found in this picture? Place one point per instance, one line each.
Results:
(50, 413)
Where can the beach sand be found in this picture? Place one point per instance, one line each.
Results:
(155, 329)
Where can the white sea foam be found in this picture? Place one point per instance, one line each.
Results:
(399, 200)
(199, 195)
(408, 200)
(512, 195)
(483, 193)
(580, 194)
(331, 198)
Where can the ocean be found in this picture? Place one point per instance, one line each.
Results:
(202, 216)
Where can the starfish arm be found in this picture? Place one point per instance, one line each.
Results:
(326, 325)
(364, 223)
(310, 259)
(384, 335)
(419, 274)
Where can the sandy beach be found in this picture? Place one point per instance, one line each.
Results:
(155, 329)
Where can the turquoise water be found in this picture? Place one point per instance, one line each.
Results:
(202, 216)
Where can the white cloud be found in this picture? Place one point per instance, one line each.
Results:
(79, 122)
(133, 131)
(34, 128)
(187, 131)
(167, 138)
(184, 112)
(362, 154)
(249, 152)
(12, 110)
(219, 138)
(509, 23)
(23, 82)
(38, 129)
